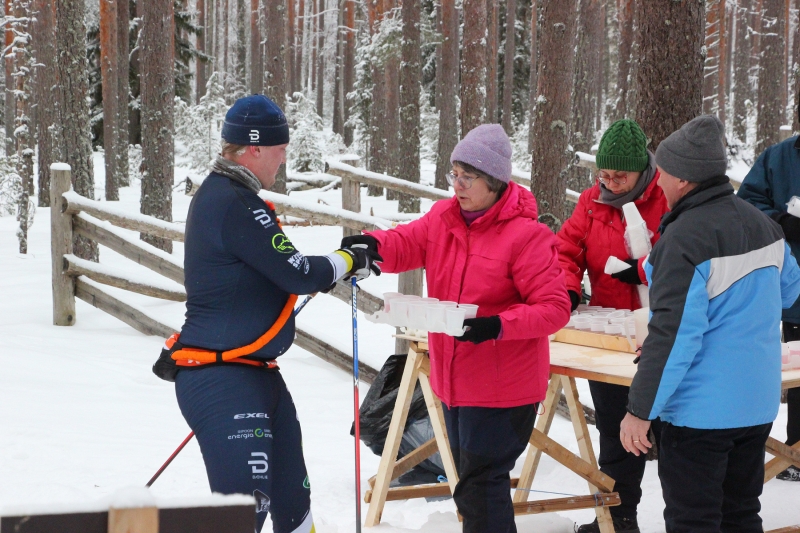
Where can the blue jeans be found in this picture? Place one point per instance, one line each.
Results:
(249, 434)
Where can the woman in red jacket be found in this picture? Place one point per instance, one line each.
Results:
(485, 247)
(595, 231)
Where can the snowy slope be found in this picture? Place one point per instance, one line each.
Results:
(81, 414)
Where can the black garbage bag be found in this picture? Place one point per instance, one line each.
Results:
(376, 411)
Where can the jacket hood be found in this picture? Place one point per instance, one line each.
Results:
(515, 202)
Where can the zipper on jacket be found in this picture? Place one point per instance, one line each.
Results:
(464, 273)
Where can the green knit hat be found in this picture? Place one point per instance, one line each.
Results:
(623, 147)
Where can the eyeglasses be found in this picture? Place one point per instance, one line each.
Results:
(620, 178)
(464, 181)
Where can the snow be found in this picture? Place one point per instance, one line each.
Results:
(157, 282)
(60, 166)
(82, 415)
(79, 201)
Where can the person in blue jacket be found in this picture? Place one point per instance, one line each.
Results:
(710, 366)
(242, 277)
(770, 184)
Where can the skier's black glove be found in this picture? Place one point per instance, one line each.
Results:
(575, 298)
(790, 225)
(363, 261)
(481, 329)
(370, 242)
(629, 275)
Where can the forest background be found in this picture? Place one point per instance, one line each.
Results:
(396, 82)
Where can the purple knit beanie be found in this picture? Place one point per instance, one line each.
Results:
(488, 149)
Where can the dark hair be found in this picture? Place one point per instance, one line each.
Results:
(495, 185)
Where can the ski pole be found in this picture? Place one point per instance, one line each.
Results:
(355, 406)
(191, 434)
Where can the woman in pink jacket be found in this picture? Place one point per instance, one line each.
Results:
(485, 247)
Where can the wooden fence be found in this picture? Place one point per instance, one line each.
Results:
(74, 277)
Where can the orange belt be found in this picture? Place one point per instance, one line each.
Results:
(198, 356)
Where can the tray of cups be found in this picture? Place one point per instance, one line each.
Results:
(420, 316)
(790, 356)
(600, 327)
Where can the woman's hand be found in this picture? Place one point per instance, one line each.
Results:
(481, 329)
(633, 434)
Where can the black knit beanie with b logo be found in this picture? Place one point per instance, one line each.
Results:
(255, 120)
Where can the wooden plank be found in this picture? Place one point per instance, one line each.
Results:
(393, 437)
(351, 201)
(158, 228)
(534, 454)
(414, 458)
(219, 519)
(588, 374)
(439, 429)
(139, 252)
(106, 278)
(595, 340)
(371, 178)
(96, 522)
(581, 467)
(118, 309)
(333, 355)
(433, 490)
(784, 451)
(599, 501)
(367, 302)
(778, 464)
(137, 520)
(585, 445)
(790, 529)
(61, 245)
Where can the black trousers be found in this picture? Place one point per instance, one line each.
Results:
(712, 478)
(791, 332)
(626, 469)
(486, 443)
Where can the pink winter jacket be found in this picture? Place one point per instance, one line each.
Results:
(506, 262)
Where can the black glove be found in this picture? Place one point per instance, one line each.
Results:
(371, 242)
(575, 298)
(629, 275)
(790, 225)
(481, 329)
(363, 261)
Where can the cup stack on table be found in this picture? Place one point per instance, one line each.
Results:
(419, 316)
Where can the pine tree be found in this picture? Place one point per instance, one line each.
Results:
(508, 65)
(198, 127)
(305, 152)
(158, 89)
(473, 65)
(112, 101)
(275, 61)
(23, 136)
(447, 85)
(741, 89)
(770, 108)
(410, 80)
(553, 113)
(670, 78)
(43, 31)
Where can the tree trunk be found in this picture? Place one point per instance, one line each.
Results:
(492, 48)
(589, 37)
(45, 84)
(22, 132)
(123, 92)
(410, 79)
(10, 101)
(796, 56)
(666, 100)
(158, 92)
(256, 59)
(109, 69)
(74, 136)
(200, 65)
(338, 90)
(508, 66)
(275, 76)
(553, 113)
(376, 159)
(625, 20)
(473, 66)
(291, 45)
(741, 90)
(390, 126)
(722, 68)
(447, 90)
(534, 73)
(241, 42)
(297, 83)
(348, 65)
(320, 64)
(711, 68)
(770, 105)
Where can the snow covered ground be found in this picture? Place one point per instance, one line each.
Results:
(81, 414)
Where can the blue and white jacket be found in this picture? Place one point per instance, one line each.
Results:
(719, 277)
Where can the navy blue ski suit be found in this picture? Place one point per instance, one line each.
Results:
(240, 271)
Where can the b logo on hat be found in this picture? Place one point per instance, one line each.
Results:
(254, 136)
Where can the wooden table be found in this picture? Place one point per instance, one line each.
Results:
(417, 368)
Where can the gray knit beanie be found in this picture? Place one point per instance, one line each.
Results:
(696, 152)
(486, 148)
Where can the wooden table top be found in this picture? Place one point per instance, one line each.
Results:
(613, 367)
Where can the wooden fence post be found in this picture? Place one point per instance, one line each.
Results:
(408, 283)
(351, 200)
(61, 245)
